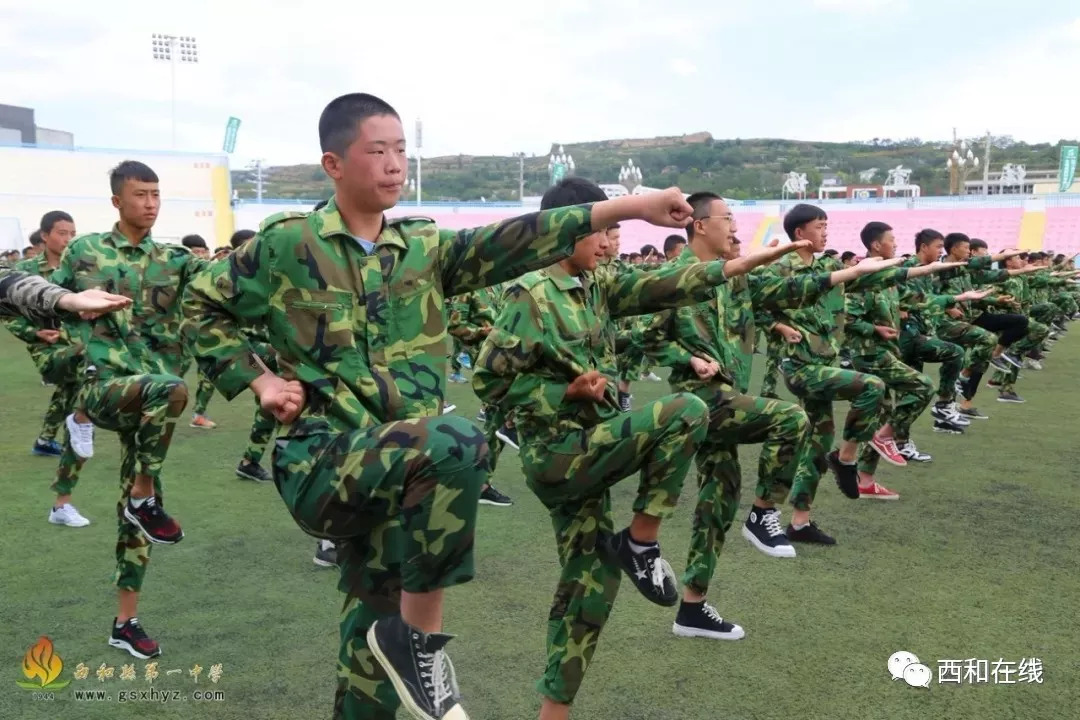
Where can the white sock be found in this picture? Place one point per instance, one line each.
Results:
(639, 548)
(137, 502)
(797, 526)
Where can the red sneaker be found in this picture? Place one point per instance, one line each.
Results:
(877, 492)
(131, 637)
(154, 522)
(886, 448)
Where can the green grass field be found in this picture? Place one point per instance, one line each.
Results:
(977, 560)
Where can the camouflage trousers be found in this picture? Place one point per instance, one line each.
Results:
(1066, 305)
(1036, 336)
(203, 392)
(978, 343)
(58, 364)
(912, 393)
(737, 419)
(572, 476)
(262, 430)
(917, 349)
(1044, 313)
(143, 410)
(772, 368)
(399, 501)
(817, 386)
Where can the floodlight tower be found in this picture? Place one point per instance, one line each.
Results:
(174, 49)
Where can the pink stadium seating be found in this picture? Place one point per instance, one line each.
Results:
(999, 227)
(1062, 230)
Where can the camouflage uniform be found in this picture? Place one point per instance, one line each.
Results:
(28, 296)
(203, 392)
(1018, 287)
(58, 363)
(977, 342)
(718, 331)
(810, 375)
(774, 349)
(918, 341)
(912, 391)
(371, 463)
(552, 329)
(134, 360)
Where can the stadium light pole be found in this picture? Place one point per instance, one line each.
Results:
(174, 49)
(521, 175)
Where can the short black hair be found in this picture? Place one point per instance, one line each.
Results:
(49, 219)
(800, 215)
(28, 249)
(648, 250)
(616, 226)
(671, 242)
(193, 241)
(130, 170)
(240, 237)
(35, 238)
(926, 236)
(953, 239)
(340, 120)
(700, 202)
(872, 232)
(635, 255)
(571, 191)
(976, 244)
(1059, 258)
(830, 253)
(846, 255)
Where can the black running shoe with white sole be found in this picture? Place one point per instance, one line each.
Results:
(418, 668)
(253, 471)
(647, 570)
(972, 413)
(131, 637)
(1012, 360)
(762, 529)
(1000, 363)
(702, 620)
(491, 496)
(948, 427)
(1010, 397)
(325, 554)
(153, 522)
(912, 453)
(509, 436)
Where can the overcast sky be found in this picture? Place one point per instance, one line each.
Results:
(499, 76)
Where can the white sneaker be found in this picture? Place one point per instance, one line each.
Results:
(82, 437)
(652, 377)
(66, 514)
(449, 408)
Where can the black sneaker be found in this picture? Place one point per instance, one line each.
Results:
(325, 554)
(847, 476)
(509, 436)
(418, 667)
(154, 522)
(481, 417)
(1001, 363)
(491, 496)
(762, 529)
(702, 620)
(948, 426)
(253, 471)
(809, 534)
(650, 573)
(131, 637)
(624, 402)
(972, 413)
(1015, 362)
(46, 448)
(912, 453)
(1010, 397)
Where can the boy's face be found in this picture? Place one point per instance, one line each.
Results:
(613, 242)
(886, 246)
(372, 171)
(58, 238)
(590, 251)
(718, 229)
(960, 251)
(1015, 262)
(200, 252)
(733, 251)
(138, 203)
(931, 251)
(817, 232)
(979, 252)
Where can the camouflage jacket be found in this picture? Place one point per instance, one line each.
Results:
(23, 328)
(920, 300)
(723, 329)
(554, 327)
(959, 280)
(29, 296)
(366, 333)
(822, 322)
(146, 337)
(470, 314)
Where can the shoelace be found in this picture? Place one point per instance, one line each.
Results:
(437, 676)
(656, 571)
(712, 614)
(772, 524)
(85, 431)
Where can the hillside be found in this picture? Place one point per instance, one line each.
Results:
(739, 168)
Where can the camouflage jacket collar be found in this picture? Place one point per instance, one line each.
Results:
(328, 223)
(686, 257)
(563, 280)
(118, 240)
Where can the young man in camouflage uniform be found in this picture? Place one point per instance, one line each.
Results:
(132, 384)
(204, 391)
(549, 358)
(872, 332)
(701, 345)
(355, 308)
(1017, 288)
(55, 356)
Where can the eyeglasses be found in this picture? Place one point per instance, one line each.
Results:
(729, 217)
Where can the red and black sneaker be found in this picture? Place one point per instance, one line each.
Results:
(154, 522)
(131, 637)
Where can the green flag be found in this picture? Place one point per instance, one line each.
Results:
(1067, 167)
(230, 134)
